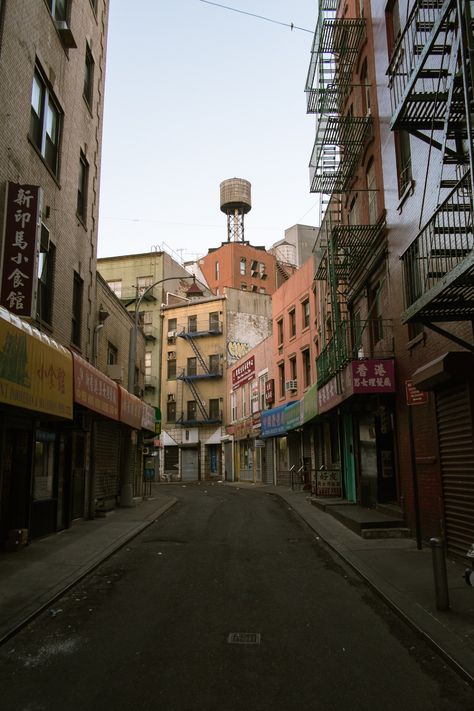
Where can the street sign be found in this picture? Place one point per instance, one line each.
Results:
(415, 396)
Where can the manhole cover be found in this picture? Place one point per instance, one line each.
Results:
(244, 638)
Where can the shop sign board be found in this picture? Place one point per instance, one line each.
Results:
(94, 390)
(22, 230)
(243, 373)
(415, 396)
(373, 376)
(273, 422)
(270, 391)
(35, 372)
(328, 483)
(130, 409)
(330, 395)
(148, 417)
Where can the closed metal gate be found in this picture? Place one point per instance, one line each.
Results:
(171, 463)
(107, 460)
(189, 464)
(267, 462)
(455, 432)
(228, 461)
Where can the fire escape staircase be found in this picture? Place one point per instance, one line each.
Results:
(204, 373)
(431, 82)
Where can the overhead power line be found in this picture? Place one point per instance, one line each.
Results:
(291, 25)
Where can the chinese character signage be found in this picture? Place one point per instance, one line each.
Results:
(20, 248)
(94, 390)
(270, 391)
(329, 395)
(148, 417)
(373, 376)
(35, 372)
(328, 483)
(415, 396)
(131, 409)
(273, 421)
(243, 373)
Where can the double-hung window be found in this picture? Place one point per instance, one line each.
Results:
(58, 9)
(82, 183)
(88, 77)
(45, 122)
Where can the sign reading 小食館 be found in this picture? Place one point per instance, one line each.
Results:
(20, 248)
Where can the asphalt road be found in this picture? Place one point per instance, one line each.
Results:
(227, 602)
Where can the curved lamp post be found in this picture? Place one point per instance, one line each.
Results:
(132, 356)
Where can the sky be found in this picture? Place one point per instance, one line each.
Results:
(197, 94)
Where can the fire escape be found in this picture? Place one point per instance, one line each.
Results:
(203, 372)
(343, 252)
(431, 82)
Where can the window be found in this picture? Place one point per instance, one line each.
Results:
(280, 332)
(171, 411)
(244, 400)
(214, 324)
(217, 271)
(81, 207)
(192, 324)
(191, 410)
(372, 192)
(293, 370)
(76, 320)
(261, 268)
(148, 366)
(45, 120)
(353, 214)
(172, 324)
(214, 412)
(243, 287)
(58, 9)
(88, 89)
(191, 368)
(305, 355)
(403, 158)
(364, 81)
(233, 406)
(116, 287)
(281, 379)
(214, 363)
(112, 354)
(243, 265)
(292, 323)
(305, 312)
(376, 309)
(44, 304)
(392, 22)
(143, 283)
(171, 361)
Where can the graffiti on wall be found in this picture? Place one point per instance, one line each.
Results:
(236, 350)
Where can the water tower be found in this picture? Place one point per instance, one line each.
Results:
(235, 202)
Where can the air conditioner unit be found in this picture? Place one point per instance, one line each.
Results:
(146, 450)
(172, 334)
(115, 372)
(291, 385)
(172, 355)
(171, 397)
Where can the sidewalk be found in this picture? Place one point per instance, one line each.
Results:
(32, 578)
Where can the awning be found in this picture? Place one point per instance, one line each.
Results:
(273, 421)
(94, 390)
(35, 371)
(455, 365)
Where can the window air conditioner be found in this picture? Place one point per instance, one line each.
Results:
(172, 334)
(290, 385)
(171, 355)
(171, 397)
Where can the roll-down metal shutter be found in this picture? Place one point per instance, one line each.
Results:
(455, 432)
(107, 459)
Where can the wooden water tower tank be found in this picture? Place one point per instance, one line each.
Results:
(235, 202)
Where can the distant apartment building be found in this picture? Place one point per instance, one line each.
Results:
(238, 265)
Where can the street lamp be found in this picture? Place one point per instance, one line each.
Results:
(132, 356)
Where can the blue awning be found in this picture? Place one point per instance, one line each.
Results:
(273, 421)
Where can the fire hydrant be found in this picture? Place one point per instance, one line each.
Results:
(469, 572)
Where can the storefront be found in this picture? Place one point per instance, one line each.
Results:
(36, 403)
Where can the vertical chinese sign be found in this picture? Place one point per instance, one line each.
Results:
(20, 246)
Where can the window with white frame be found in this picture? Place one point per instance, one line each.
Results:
(244, 401)
(233, 406)
(58, 9)
(116, 287)
(243, 265)
(262, 379)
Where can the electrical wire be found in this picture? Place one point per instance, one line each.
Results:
(291, 25)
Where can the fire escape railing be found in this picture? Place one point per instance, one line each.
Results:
(354, 339)
(443, 245)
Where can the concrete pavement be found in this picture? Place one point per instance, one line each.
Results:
(32, 578)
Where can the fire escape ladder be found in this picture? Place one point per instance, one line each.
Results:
(197, 352)
(197, 397)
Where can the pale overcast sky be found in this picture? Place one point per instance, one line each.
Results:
(197, 94)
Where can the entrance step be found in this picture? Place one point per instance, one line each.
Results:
(367, 523)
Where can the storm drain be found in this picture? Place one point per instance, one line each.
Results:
(244, 638)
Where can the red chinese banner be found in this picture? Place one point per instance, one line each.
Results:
(94, 390)
(131, 409)
(270, 391)
(20, 248)
(373, 376)
(243, 373)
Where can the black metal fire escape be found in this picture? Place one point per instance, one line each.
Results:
(431, 81)
(203, 372)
